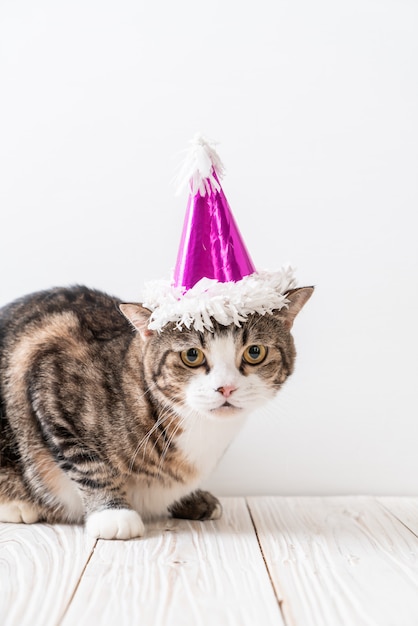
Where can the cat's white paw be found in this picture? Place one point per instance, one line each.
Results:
(115, 524)
(18, 512)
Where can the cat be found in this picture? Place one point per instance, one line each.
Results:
(105, 422)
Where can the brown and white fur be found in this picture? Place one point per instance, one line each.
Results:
(103, 422)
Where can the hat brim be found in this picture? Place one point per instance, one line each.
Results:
(226, 303)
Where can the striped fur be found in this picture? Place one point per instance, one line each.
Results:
(104, 424)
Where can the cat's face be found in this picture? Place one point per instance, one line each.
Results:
(240, 370)
(225, 373)
(231, 371)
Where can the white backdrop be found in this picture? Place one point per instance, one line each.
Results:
(315, 106)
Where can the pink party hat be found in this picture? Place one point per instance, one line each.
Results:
(211, 244)
(214, 277)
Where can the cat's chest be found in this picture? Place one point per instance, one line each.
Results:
(204, 441)
(200, 445)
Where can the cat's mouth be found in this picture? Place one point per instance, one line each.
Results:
(227, 407)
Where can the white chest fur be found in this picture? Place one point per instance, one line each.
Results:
(203, 442)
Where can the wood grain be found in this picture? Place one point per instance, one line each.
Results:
(338, 561)
(40, 567)
(331, 562)
(404, 509)
(181, 573)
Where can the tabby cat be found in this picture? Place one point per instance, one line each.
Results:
(105, 422)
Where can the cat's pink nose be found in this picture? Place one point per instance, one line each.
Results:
(226, 390)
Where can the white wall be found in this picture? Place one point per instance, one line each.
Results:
(315, 106)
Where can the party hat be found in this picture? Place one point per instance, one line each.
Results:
(211, 244)
(214, 277)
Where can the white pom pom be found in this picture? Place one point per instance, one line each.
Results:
(200, 165)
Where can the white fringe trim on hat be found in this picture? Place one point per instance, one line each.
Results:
(227, 303)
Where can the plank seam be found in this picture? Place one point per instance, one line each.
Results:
(383, 506)
(78, 583)
(276, 595)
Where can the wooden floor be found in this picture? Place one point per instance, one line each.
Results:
(268, 561)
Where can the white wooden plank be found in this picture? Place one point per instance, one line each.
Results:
(181, 573)
(404, 509)
(40, 566)
(339, 561)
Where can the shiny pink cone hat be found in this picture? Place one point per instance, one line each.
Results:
(214, 277)
(211, 245)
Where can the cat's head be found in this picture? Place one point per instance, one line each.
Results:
(224, 373)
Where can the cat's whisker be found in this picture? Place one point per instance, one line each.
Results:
(165, 414)
(191, 417)
(168, 414)
(144, 441)
(169, 441)
(183, 418)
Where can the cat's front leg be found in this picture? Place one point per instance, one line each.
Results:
(107, 512)
(199, 505)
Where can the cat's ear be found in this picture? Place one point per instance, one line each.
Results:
(139, 318)
(297, 299)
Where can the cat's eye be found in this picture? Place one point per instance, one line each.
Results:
(193, 357)
(254, 354)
